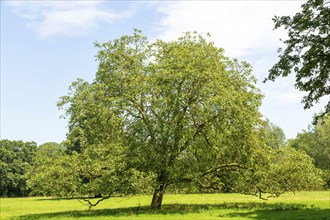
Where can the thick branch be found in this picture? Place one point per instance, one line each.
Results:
(234, 166)
(90, 204)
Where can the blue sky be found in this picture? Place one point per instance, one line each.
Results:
(45, 45)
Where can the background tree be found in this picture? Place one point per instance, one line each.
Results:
(15, 160)
(45, 156)
(307, 51)
(272, 135)
(316, 142)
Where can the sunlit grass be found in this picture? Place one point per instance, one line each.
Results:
(302, 205)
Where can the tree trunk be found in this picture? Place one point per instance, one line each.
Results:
(157, 198)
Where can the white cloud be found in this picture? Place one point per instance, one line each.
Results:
(65, 18)
(242, 28)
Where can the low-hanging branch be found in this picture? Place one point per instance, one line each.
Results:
(90, 204)
(234, 166)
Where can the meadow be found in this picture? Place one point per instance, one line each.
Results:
(302, 205)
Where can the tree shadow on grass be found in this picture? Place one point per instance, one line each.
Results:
(301, 214)
(252, 210)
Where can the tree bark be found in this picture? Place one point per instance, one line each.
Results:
(157, 198)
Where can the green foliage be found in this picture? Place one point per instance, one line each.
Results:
(161, 115)
(175, 108)
(272, 135)
(273, 172)
(98, 171)
(288, 170)
(307, 50)
(316, 142)
(15, 160)
(46, 158)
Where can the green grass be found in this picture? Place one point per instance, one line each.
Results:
(303, 205)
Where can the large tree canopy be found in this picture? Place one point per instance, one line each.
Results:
(167, 114)
(307, 51)
(181, 109)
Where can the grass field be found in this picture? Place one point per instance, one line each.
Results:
(303, 205)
